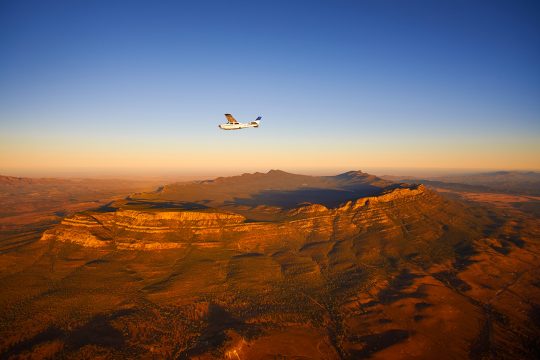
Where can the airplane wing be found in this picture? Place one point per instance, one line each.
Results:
(230, 119)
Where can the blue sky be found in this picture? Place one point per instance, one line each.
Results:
(92, 87)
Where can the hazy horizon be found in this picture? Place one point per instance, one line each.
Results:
(194, 174)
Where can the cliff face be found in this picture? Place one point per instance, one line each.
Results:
(134, 229)
(155, 229)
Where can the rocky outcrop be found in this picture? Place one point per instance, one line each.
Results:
(392, 212)
(401, 194)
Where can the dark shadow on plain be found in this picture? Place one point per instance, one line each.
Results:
(291, 198)
(248, 255)
(377, 342)
(451, 279)
(98, 331)
(395, 290)
(214, 335)
(165, 205)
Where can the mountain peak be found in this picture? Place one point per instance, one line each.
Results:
(277, 172)
(353, 173)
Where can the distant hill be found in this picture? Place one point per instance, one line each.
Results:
(274, 188)
(515, 182)
(22, 195)
(11, 182)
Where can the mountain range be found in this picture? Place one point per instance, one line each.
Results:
(278, 265)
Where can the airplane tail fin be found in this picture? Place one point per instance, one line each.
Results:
(256, 121)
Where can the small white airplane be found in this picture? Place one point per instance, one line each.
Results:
(232, 124)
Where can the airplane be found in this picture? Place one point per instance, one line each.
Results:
(232, 124)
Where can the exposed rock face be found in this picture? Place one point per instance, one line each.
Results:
(155, 229)
(126, 228)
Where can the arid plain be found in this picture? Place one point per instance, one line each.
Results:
(271, 265)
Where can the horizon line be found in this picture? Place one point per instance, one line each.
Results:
(139, 174)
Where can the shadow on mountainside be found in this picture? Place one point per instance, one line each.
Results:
(219, 322)
(152, 205)
(291, 198)
(98, 331)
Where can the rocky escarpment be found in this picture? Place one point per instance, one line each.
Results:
(389, 215)
(137, 229)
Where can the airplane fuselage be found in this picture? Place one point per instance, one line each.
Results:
(238, 126)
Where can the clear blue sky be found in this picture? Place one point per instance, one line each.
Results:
(117, 86)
